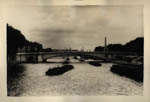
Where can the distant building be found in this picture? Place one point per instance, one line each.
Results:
(47, 50)
(31, 47)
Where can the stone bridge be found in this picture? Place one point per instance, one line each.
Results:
(39, 57)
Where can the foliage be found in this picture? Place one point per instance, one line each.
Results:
(15, 39)
(136, 45)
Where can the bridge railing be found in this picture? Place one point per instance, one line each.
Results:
(82, 52)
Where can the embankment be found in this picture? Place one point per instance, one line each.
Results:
(14, 71)
(129, 70)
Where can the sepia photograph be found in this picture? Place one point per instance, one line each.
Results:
(75, 50)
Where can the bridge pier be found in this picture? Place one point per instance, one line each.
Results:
(40, 58)
(28, 58)
(20, 58)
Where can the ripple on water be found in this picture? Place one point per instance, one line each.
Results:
(84, 79)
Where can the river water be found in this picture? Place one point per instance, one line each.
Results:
(84, 79)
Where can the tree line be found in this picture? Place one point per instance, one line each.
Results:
(16, 40)
(136, 45)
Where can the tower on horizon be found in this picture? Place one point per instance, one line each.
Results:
(105, 45)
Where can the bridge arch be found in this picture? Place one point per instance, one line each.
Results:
(82, 55)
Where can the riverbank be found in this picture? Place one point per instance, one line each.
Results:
(14, 72)
(133, 71)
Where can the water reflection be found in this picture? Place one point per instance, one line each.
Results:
(76, 59)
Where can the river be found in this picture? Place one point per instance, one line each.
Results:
(84, 79)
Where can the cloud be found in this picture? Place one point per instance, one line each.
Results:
(78, 26)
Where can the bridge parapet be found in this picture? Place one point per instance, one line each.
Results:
(42, 56)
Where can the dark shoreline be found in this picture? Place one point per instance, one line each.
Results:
(132, 71)
(14, 71)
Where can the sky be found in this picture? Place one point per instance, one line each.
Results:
(77, 27)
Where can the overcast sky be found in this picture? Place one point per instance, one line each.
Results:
(77, 26)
